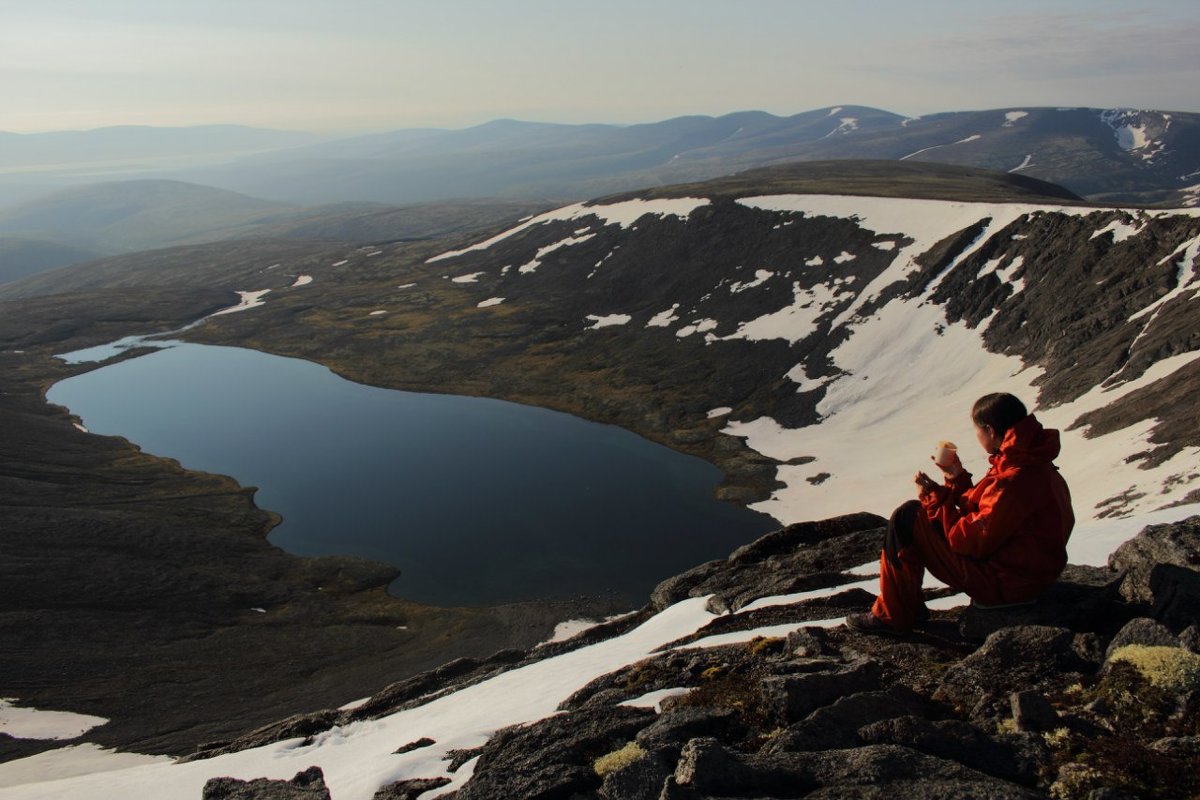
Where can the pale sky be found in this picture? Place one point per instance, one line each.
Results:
(348, 66)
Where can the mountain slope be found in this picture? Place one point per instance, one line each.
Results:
(22, 257)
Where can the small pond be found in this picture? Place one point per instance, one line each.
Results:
(477, 501)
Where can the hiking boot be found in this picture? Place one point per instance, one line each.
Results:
(867, 622)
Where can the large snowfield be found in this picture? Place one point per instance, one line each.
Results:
(908, 380)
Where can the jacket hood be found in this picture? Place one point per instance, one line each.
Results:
(1027, 444)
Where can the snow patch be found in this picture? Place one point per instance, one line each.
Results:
(655, 699)
(1024, 164)
(973, 138)
(608, 321)
(542, 252)
(815, 261)
(664, 319)
(491, 301)
(30, 723)
(302, 280)
(1120, 230)
(406, 286)
(341, 263)
(845, 125)
(249, 300)
(719, 412)
(469, 278)
(795, 322)
(761, 276)
(379, 313)
(73, 761)
(844, 257)
(1012, 117)
(698, 326)
(888, 245)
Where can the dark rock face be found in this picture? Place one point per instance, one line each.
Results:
(307, 785)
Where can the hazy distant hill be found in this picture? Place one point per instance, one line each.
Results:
(1108, 155)
(132, 215)
(141, 143)
(1111, 156)
(86, 223)
(22, 257)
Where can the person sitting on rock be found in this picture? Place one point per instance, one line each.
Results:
(1002, 541)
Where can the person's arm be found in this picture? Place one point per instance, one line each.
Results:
(1003, 507)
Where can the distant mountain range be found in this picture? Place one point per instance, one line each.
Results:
(71, 226)
(1105, 155)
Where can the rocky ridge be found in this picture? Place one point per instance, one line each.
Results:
(1093, 692)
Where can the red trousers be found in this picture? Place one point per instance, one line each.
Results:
(900, 597)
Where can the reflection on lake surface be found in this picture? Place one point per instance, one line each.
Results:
(477, 501)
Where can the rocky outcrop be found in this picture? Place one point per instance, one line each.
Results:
(1057, 699)
(307, 785)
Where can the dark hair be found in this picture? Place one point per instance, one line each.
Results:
(999, 411)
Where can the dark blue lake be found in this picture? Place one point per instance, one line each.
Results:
(477, 501)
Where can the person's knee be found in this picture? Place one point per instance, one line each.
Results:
(900, 529)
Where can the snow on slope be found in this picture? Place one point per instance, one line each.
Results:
(624, 213)
(910, 379)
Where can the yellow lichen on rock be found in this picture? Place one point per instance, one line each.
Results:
(1171, 668)
(618, 758)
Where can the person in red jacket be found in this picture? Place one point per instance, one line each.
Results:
(1001, 541)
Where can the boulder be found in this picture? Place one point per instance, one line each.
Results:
(890, 771)
(1177, 544)
(307, 785)
(1075, 601)
(409, 789)
(642, 779)
(953, 740)
(708, 769)
(680, 724)
(553, 757)
(1010, 660)
(1142, 630)
(790, 698)
(836, 726)
(1032, 711)
(799, 557)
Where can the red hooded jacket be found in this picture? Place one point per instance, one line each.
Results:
(1018, 518)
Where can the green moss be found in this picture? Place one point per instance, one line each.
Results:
(618, 759)
(1170, 668)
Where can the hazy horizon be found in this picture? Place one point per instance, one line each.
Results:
(337, 69)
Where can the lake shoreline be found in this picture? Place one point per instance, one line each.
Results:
(135, 585)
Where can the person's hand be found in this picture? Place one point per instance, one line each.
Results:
(925, 484)
(947, 460)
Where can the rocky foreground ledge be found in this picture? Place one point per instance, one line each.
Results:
(1094, 692)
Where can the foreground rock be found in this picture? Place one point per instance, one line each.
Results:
(1073, 705)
